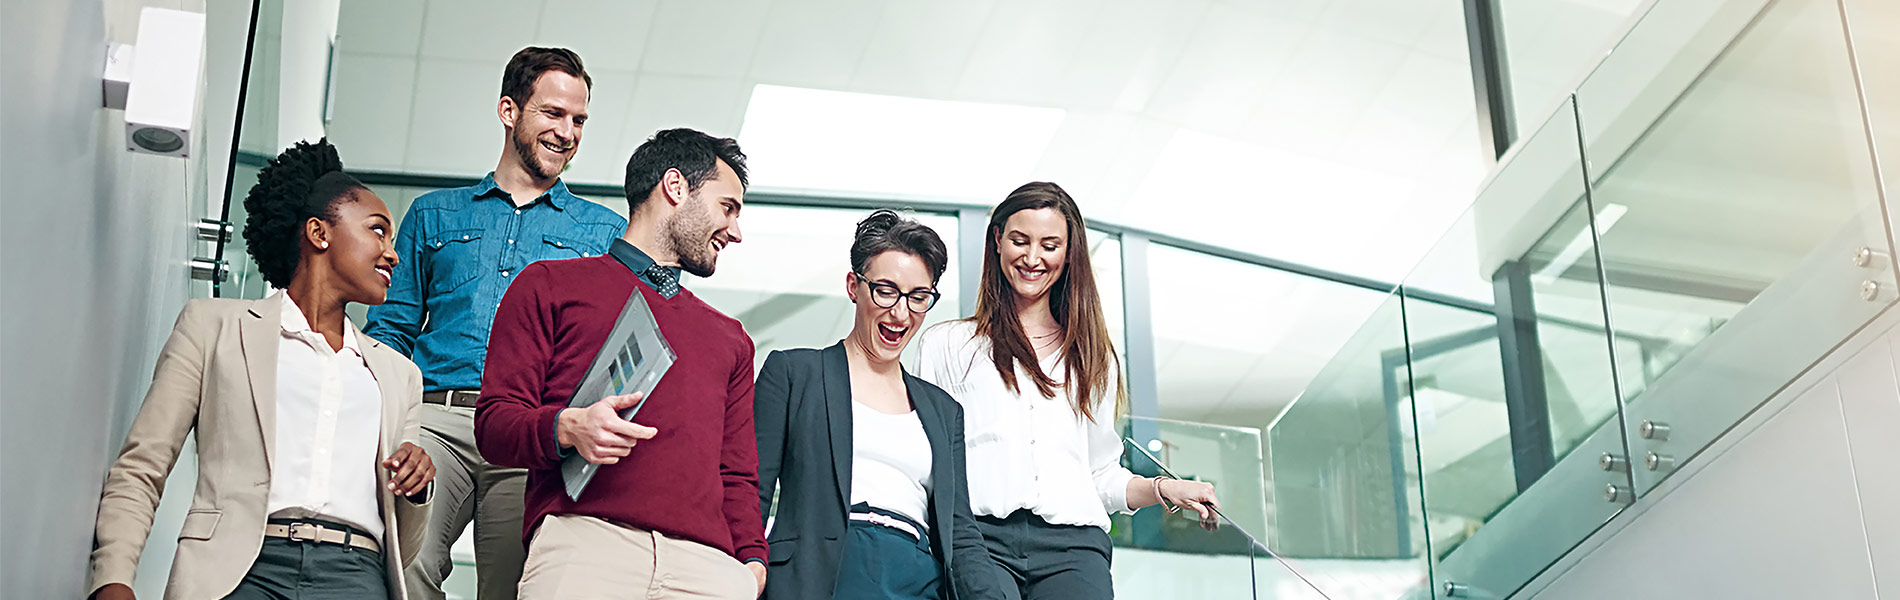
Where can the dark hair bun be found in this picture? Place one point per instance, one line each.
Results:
(303, 182)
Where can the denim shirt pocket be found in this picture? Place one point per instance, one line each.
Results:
(555, 247)
(455, 259)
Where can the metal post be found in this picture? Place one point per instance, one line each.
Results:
(1490, 75)
(1525, 395)
(972, 230)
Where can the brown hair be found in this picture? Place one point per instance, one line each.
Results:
(1073, 299)
(517, 80)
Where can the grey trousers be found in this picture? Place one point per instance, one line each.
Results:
(287, 570)
(468, 488)
(1045, 561)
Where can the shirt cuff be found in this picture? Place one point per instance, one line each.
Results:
(754, 559)
(560, 451)
(1115, 491)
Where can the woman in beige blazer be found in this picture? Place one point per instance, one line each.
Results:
(308, 483)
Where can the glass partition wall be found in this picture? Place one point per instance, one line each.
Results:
(1693, 225)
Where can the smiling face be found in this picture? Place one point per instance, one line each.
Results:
(882, 333)
(1033, 248)
(359, 248)
(545, 132)
(707, 222)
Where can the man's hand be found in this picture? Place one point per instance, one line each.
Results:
(114, 591)
(410, 470)
(598, 432)
(758, 571)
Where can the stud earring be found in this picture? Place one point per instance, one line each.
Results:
(323, 245)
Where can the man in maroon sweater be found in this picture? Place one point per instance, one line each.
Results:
(674, 510)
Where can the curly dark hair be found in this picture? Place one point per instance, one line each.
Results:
(885, 230)
(306, 181)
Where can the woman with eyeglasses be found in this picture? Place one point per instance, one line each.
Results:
(1040, 387)
(868, 460)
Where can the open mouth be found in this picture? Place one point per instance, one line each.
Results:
(718, 245)
(557, 148)
(385, 272)
(1028, 274)
(891, 334)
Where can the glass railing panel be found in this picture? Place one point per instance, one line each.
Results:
(1512, 387)
(1549, 45)
(1158, 554)
(1347, 508)
(1658, 58)
(257, 140)
(1739, 217)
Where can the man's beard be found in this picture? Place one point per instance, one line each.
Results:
(525, 151)
(690, 232)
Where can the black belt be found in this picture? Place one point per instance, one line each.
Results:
(453, 398)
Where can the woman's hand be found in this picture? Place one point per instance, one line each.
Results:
(410, 470)
(114, 591)
(1197, 496)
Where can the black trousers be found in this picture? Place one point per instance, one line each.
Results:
(287, 570)
(1046, 561)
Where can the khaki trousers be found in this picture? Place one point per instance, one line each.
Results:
(468, 487)
(583, 558)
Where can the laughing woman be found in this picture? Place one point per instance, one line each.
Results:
(868, 460)
(1039, 381)
(308, 485)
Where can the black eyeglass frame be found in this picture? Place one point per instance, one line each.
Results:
(934, 295)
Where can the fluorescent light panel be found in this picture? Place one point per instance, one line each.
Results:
(828, 141)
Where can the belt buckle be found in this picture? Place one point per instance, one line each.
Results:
(306, 532)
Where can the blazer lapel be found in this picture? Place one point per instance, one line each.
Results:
(260, 335)
(936, 432)
(385, 375)
(837, 379)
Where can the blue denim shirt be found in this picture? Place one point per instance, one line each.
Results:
(460, 249)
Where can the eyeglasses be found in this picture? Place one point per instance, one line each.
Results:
(885, 295)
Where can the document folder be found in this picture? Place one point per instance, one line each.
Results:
(634, 359)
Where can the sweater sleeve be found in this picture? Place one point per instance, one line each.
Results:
(739, 462)
(512, 423)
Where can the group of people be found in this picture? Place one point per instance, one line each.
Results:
(338, 463)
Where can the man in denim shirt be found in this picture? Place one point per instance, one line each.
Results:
(461, 249)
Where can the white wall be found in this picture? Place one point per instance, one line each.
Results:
(93, 251)
(1802, 500)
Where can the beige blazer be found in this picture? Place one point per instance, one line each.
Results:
(218, 374)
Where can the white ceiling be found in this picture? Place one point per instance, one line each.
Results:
(1336, 133)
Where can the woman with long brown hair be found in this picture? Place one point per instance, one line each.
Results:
(1040, 385)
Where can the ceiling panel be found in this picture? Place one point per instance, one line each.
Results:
(691, 37)
(609, 35)
(455, 129)
(663, 101)
(468, 30)
(919, 48)
(388, 28)
(814, 43)
(371, 110)
(1049, 30)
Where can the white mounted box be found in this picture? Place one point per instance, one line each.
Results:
(162, 104)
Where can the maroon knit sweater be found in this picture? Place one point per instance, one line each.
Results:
(697, 479)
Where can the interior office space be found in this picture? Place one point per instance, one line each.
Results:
(1450, 298)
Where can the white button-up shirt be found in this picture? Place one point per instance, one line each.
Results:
(329, 419)
(1025, 451)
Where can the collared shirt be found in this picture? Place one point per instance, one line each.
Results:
(329, 419)
(1026, 451)
(639, 263)
(461, 248)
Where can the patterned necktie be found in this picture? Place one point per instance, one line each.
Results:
(663, 281)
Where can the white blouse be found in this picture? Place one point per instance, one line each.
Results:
(890, 461)
(329, 423)
(1025, 451)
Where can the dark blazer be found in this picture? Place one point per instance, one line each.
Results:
(802, 411)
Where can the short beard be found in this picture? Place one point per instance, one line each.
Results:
(524, 152)
(690, 233)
